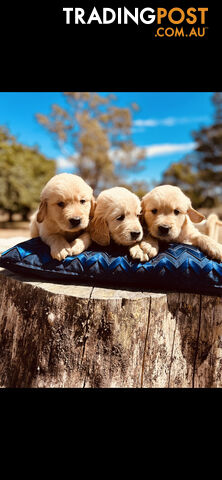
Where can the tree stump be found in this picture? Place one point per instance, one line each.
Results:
(62, 335)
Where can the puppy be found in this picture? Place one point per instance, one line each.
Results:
(62, 219)
(169, 215)
(116, 217)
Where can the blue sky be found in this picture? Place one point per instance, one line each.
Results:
(163, 124)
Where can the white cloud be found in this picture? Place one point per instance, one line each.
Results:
(64, 164)
(169, 121)
(154, 150)
(168, 148)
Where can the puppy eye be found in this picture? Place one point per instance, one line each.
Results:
(154, 211)
(82, 201)
(176, 212)
(121, 218)
(61, 204)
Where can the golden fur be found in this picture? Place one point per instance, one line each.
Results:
(168, 214)
(65, 198)
(116, 217)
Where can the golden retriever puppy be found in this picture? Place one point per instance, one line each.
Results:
(63, 216)
(168, 214)
(116, 217)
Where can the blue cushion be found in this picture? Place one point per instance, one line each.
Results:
(180, 267)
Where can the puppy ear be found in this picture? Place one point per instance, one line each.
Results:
(143, 206)
(99, 231)
(142, 220)
(143, 224)
(142, 214)
(195, 216)
(42, 211)
(93, 206)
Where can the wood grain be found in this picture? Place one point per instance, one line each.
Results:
(62, 335)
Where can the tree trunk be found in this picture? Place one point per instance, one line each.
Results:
(25, 213)
(62, 335)
(10, 213)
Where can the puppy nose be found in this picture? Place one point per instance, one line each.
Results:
(75, 221)
(134, 235)
(164, 229)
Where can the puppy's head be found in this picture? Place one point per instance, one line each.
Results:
(116, 216)
(165, 209)
(67, 201)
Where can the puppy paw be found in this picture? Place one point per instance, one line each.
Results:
(77, 247)
(137, 253)
(212, 249)
(150, 250)
(59, 254)
(216, 253)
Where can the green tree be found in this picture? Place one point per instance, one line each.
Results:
(96, 136)
(200, 173)
(23, 173)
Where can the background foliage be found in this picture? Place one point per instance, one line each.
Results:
(23, 173)
(95, 135)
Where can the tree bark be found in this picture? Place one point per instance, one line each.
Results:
(62, 335)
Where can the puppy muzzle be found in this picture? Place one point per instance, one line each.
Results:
(163, 230)
(135, 235)
(74, 222)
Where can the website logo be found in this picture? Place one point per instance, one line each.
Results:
(174, 22)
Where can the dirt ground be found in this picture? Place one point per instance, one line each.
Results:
(22, 231)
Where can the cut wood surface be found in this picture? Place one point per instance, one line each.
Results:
(62, 335)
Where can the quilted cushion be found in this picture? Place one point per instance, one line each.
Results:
(180, 267)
